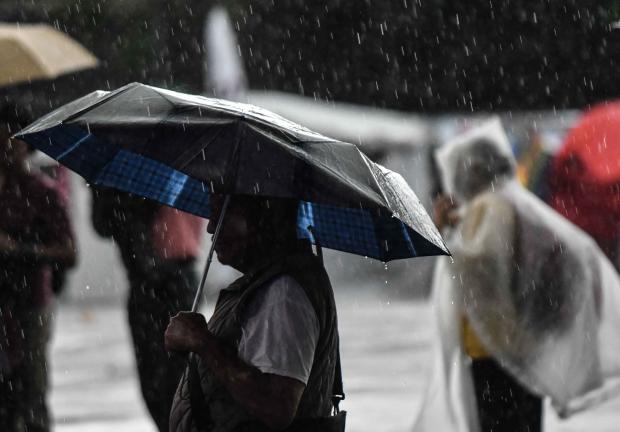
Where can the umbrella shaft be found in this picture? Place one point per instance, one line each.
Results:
(203, 280)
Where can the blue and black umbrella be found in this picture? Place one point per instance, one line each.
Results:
(179, 149)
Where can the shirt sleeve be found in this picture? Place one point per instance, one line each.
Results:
(280, 331)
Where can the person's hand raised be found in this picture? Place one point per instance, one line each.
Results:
(445, 212)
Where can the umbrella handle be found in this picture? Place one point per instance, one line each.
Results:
(319, 249)
(203, 280)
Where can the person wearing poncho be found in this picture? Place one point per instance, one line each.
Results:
(528, 296)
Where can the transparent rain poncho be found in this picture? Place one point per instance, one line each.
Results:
(538, 292)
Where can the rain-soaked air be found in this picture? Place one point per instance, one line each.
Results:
(285, 216)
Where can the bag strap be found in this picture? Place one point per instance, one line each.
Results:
(337, 390)
(200, 410)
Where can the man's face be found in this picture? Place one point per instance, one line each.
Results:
(236, 235)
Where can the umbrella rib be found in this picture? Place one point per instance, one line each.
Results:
(186, 158)
(162, 95)
(339, 176)
(73, 147)
(374, 176)
(235, 150)
(301, 154)
(103, 100)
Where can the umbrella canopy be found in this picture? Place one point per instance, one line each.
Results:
(178, 149)
(595, 143)
(585, 179)
(32, 52)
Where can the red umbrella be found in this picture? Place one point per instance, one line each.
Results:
(585, 181)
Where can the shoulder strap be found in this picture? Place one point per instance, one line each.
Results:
(337, 390)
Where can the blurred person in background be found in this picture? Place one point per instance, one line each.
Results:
(528, 309)
(585, 177)
(35, 237)
(59, 178)
(158, 247)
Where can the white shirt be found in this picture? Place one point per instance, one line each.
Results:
(280, 331)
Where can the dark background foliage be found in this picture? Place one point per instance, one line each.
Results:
(435, 55)
(421, 55)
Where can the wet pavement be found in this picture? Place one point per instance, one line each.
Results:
(385, 356)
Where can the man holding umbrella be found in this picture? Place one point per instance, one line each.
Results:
(268, 355)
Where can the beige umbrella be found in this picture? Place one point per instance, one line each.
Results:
(33, 52)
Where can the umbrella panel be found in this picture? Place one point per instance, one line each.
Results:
(31, 52)
(153, 123)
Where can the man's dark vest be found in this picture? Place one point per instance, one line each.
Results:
(224, 414)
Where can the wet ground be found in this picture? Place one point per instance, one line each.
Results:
(385, 355)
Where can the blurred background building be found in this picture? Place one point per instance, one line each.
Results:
(396, 78)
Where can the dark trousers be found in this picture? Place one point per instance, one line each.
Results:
(152, 301)
(504, 405)
(23, 387)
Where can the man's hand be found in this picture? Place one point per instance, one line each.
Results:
(187, 331)
(270, 398)
(445, 212)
